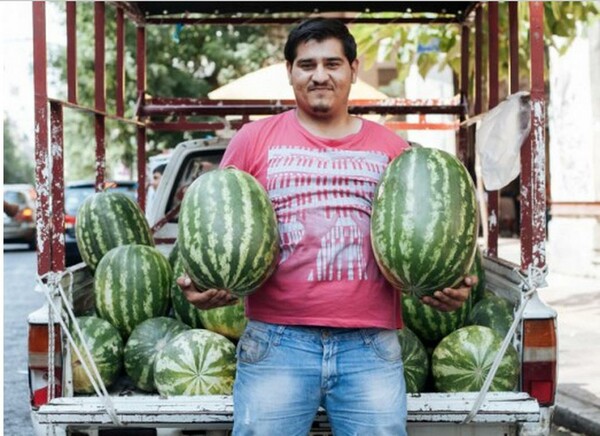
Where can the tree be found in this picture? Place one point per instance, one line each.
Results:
(181, 62)
(17, 168)
(430, 46)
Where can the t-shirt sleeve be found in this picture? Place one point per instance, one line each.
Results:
(237, 151)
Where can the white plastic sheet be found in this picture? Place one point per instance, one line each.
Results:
(498, 140)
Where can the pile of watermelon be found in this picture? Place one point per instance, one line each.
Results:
(424, 235)
(144, 328)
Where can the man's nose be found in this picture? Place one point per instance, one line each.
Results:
(320, 74)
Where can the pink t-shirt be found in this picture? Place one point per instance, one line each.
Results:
(322, 191)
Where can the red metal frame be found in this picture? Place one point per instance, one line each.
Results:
(150, 113)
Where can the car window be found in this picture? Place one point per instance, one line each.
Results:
(193, 168)
(15, 198)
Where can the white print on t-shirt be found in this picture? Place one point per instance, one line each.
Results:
(323, 199)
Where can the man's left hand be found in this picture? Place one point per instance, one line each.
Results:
(450, 299)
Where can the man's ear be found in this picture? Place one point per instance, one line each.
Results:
(288, 67)
(354, 68)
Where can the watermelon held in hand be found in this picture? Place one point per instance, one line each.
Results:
(106, 347)
(144, 343)
(462, 360)
(424, 222)
(227, 233)
(107, 220)
(183, 310)
(494, 312)
(132, 285)
(229, 321)
(415, 360)
(196, 362)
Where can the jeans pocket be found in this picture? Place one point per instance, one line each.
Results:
(254, 345)
(386, 345)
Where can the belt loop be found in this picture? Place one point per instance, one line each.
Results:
(368, 338)
(278, 333)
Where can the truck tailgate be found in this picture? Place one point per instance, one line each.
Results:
(155, 411)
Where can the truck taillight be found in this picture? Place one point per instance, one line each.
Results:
(38, 361)
(539, 359)
(69, 222)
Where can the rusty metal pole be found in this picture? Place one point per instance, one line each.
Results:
(42, 181)
(533, 153)
(58, 192)
(493, 88)
(463, 144)
(513, 39)
(72, 52)
(100, 91)
(141, 131)
(478, 61)
(120, 91)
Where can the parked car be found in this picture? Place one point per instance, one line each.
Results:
(20, 228)
(75, 194)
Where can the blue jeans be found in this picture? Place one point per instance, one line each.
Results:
(285, 373)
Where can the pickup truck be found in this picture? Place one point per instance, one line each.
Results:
(69, 291)
(56, 410)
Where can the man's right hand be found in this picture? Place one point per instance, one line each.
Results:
(204, 300)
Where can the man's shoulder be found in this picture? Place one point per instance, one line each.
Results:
(385, 133)
(265, 123)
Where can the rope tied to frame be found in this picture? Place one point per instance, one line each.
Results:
(59, 306)
(534, 279)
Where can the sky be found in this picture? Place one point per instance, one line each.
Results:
(16, 56)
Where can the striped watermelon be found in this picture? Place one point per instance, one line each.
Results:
(144, 343)
(477, 270)
(132, 285)
(415, 360)
(106, 347)
(196, 362)
(229, 321)
(424, 222)
(494, 312)
(462, 360)
(228, 237)
(184, 311)
(429, 324)
(107, 220)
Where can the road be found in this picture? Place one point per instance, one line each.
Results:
(19, 300)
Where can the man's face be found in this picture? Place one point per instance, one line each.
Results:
(156, 179)
(321, 77)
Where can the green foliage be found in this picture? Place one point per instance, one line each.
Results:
(407, 44)
(17, 167)
(188, 63)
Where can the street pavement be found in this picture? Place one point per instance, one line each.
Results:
(577, 301)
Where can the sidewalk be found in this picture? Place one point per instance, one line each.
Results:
(577, 301)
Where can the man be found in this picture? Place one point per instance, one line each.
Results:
(157, 173)
(322, 330)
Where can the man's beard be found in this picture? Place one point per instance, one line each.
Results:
(321, 108)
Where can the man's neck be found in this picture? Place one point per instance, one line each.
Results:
(333, 127)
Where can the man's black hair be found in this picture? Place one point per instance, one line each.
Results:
(159, 168)
(320, 29)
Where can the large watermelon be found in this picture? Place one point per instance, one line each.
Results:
(229, 321)
(424, 222)
(196, 362)
(477, 270)
(228, 236)
(429, 324)
(144, 343)
(184, 311)
(107, 220)
(132, 285)
(494, 312)
(106, 347)
(462, 360)
(415, 360)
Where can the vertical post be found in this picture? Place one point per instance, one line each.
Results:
(141, 131)
(99, 90)
(513, 38)
(120, 106)
(72, 52)
(58, 205)
(478, 61)
(493, 85)
(464, 93)
(42, 182)
(533, 153)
